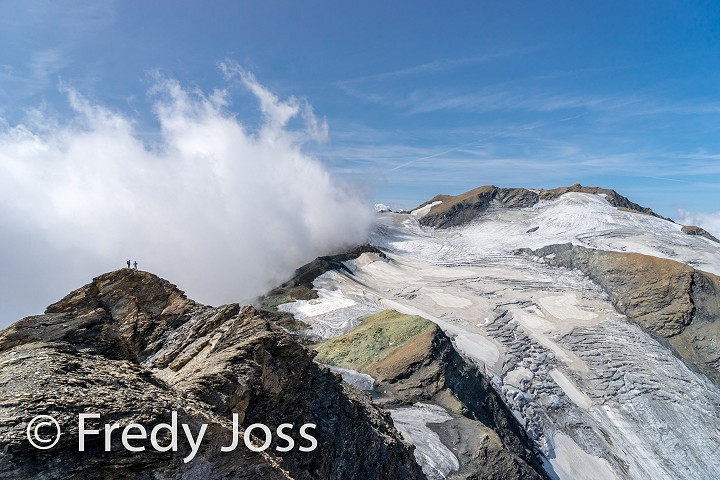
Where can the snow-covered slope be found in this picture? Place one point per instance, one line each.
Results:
(599, 396)
(579, 218)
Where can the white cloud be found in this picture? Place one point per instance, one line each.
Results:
(277, 113)
(710, 221)
(220, 211)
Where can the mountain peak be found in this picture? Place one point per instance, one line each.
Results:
(453, 210)
(147, 290)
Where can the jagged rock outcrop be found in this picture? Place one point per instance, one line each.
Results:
(300, 286)
(678, 304)
(305, 275)
(693, 230)
(413, 360)
(132, 348)
(460, 209)
(457, 210)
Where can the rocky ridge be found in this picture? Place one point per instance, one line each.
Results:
(693, 230)
(132, 348)
(454, 210)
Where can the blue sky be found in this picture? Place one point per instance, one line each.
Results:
(420, 97)
(196, 138)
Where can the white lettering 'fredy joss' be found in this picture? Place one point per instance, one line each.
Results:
(265, 438)
(257, 437)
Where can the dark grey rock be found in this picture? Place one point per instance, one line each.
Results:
(464, 208)
(131, 347)
(693, 230)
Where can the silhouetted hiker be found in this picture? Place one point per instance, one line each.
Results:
(135, 265)
(128, 262)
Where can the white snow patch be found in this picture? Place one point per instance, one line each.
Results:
(336, 311)
(422, 211)
(363, 260)
(478, 347)
(572, 463)
(448, 300)
(533, 322)
(519, 378)
(358, 380)
(436, 460)
(578, 397)
(328, 301)
(564, 307)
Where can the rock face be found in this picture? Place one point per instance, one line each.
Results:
(132, 348)
(461, 209)
(693, 230)
(676, 303)
(412, 360)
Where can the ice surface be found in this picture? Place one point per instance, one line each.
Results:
(422, 211)
(328, 301)
(571, 461)
(597, 395)
(358, 380)
(579, 218)
(578, 397)
(336, 311)
(436, 460)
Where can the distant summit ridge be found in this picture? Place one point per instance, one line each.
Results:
(454, 210)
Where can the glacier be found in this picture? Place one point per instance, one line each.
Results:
(599, 396)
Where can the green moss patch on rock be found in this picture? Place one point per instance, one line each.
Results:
(374, 339)
(412, 360)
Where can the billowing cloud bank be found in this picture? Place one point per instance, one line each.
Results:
(221, 210)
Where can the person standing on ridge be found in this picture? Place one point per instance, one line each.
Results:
(128, 262)
(134, 264)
